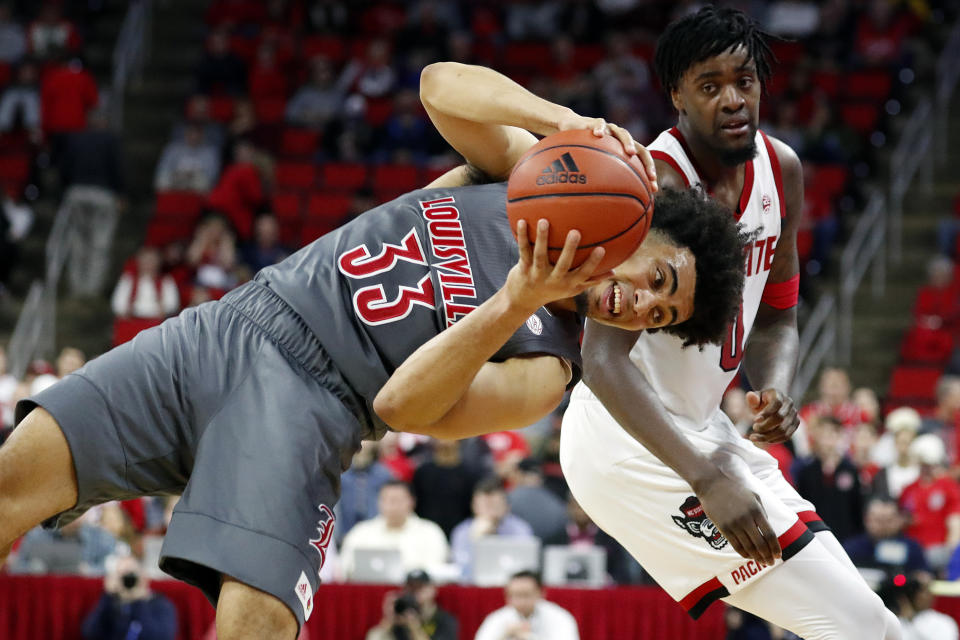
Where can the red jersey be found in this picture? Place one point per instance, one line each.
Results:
(930, 504)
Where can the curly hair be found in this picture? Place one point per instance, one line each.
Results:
(705, 34)
(690, 219)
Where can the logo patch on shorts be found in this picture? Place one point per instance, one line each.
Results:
(535, 325)
(305, 594)
(696, 523)
(324, 532)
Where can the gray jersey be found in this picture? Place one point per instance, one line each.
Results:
(377, 288)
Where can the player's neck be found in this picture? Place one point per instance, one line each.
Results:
(708, 163)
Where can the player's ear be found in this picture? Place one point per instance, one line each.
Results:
(677, 100)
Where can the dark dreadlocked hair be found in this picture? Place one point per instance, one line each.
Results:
(705, 34)
(690, 219)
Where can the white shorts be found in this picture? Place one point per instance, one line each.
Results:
(654, 514)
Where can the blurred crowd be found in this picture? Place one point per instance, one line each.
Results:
(305, 113)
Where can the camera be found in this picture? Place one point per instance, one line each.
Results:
(405, 603)
(129, 580)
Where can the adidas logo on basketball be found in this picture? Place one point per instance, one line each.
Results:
(563, 170)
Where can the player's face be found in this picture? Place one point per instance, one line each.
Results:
(652, 289)
(720, 100)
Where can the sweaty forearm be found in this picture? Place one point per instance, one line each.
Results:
(628, 396)
(434, 377)
(482, 95)
(771, 353)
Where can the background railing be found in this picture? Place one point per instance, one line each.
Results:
(947, 76)
(130, 53)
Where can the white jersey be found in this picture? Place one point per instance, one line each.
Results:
(691, 382)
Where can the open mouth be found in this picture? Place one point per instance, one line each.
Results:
(736, 126)
(612, 299)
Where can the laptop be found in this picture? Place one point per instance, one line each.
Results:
(496, 558)
(380, 566)
(575, 566)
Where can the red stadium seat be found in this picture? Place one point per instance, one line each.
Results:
(338, 176)
(327, 46)
(245, 48)
(295, 175)
(926, 346)
(526, 56)
(588, 56)
(290, 232)
(831, 179)
(221, 108)
(861, 116)
(287, 206)
(164, 232)
(804, 244)
(386, 195)
(5, 74)
(270, 110)
(328, 206)
(396, 177)
(126, 329)
(314, 228)
(827, 81)
(379, 110)
(299, 142)
(178, 205)
(868, 85)
(787, 52)
(432, 173)
(910, 384)
(14, 168)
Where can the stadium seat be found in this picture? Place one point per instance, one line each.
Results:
(862, 116)
(868, 85)
(913, 384)
(326, 46)
(343, 176)
(178, 205)
(379, 110)
(164, 232)
(295, 175)
(126, 329)
(5, 75)
(588, 56)
(526, 56)
(830, 179)
(313, 229)
(244, 47)
(827, 81)
(299, 142)
(270, 110)
(787, 52)
(327, 206)
(221, 108)
(396, 177)
(287, 206)
(432, 173)
(926, 346)
(14, 168)
(386, 195)
(290, 232)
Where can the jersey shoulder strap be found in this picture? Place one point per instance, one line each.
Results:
(671, 148)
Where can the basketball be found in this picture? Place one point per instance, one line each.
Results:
(579, 181)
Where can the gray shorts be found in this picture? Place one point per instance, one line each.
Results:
(236, 405)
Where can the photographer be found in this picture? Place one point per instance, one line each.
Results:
(401, 619)
(128, 609)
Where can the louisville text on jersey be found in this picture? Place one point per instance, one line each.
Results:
(457, 289)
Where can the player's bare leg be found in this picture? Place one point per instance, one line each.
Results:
(37, 478)
(245, 613)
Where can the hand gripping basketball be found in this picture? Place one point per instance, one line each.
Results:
(581, 182)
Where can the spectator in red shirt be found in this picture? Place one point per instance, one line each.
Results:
(67, 93)
(938, 304)
(834, 400)
(240, 192)
(933, 502)
(143, 291)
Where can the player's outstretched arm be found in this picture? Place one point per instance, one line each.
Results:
(448, 388)
(770, 355)
(488, 118)
(625, 392)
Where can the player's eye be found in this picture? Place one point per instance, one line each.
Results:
(658, 279)
(708, 88)
(656, 316)
(746, 82)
